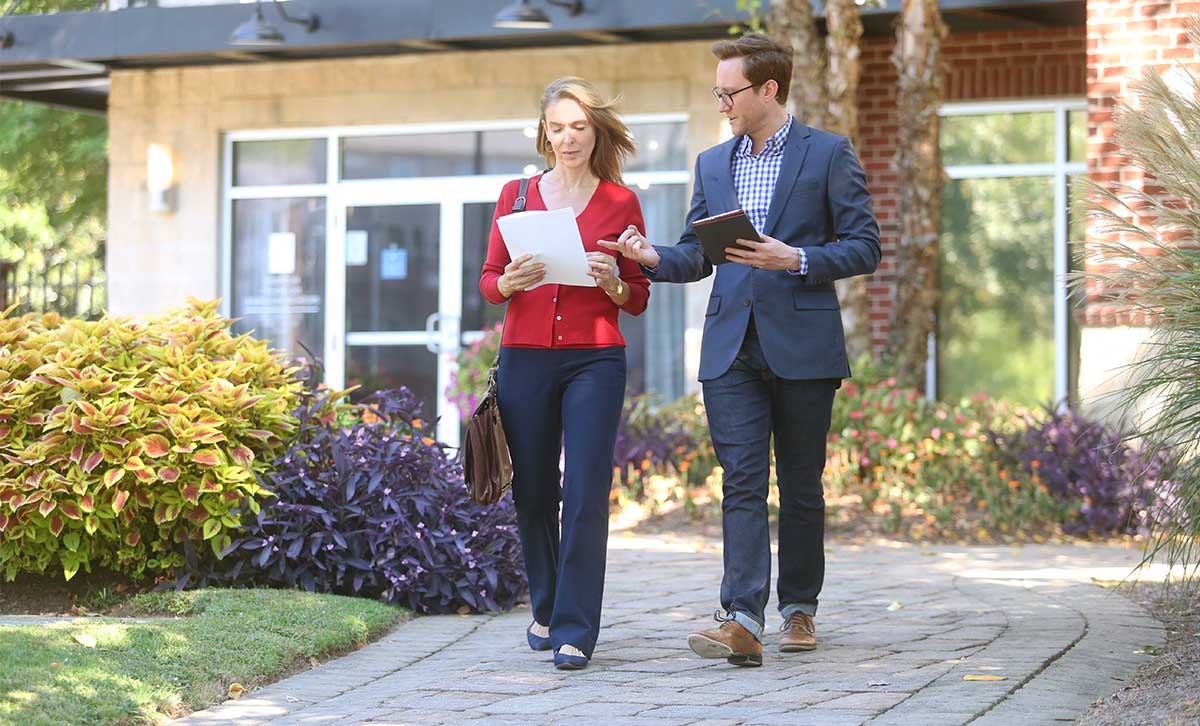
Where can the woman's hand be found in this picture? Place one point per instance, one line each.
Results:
(604, 271)
(634, 246)
(519, 275)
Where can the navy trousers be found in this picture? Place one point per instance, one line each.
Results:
(746, 406)
(551, 399)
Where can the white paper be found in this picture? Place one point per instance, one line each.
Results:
(356, 247)
(281, 253)
(553, 239)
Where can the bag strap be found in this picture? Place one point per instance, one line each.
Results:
(519, 204)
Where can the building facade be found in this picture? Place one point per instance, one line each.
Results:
(337, 195)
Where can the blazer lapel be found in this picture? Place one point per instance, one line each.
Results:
(793, 161)
(724, 193)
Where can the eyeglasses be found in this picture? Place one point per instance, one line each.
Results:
(727, 96)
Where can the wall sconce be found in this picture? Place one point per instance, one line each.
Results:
(160, 178)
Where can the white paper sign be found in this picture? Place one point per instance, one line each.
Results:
(553, 239)
(356, 247)
(393, 264)
(281, 253)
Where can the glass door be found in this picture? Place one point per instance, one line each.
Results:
(404, 262)
(391, 278)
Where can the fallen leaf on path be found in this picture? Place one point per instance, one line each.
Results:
(1150, 650)
(85, 640)
(979, 677)
(236, 690)
(313, 662)
(464, 610)
(895, 605)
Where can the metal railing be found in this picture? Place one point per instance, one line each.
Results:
(73, 288)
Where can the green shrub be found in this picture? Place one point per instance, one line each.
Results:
(903, 453)
(121, 439)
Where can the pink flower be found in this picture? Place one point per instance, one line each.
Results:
(891, 381)
(856, 414)
(941, 415)
(892, 443)
(936, 433)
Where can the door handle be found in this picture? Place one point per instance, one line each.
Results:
(433, 341)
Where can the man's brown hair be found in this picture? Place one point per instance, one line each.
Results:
(764, 60)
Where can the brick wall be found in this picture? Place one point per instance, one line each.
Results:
(1123, 39)
(981, 66)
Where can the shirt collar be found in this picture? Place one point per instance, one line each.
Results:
(773, 146)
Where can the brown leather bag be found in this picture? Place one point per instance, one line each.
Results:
(487, 465)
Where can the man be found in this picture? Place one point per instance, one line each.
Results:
(773, 351)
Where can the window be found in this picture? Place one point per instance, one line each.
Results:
(348, 242)
(1003, 326)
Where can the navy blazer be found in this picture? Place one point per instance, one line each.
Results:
(820, 204)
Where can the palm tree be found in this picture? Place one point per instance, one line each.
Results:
(917, 57)
(824, 94)
(793, 22)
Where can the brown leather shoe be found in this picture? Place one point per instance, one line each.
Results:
(799, 633)
(732, 642)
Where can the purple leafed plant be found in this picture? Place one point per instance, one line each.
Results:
(1120, 489)
(377, 510)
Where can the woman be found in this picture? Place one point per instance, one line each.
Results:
(562, 366)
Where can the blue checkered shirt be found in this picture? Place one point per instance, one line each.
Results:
(754, 180)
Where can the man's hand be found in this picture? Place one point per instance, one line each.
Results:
(770, 254)
(632, 245)
(520, 275)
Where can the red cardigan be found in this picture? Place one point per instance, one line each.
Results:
(568, 316)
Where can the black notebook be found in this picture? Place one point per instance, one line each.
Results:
(721, 231)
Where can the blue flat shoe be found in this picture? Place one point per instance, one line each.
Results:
(537, 642)
(565, 662)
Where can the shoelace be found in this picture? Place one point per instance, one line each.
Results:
(722, 618)
(787, 624)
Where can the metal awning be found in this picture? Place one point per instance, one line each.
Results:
(64, 59)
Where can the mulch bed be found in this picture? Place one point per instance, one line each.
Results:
(86, 593)
(1167, 689)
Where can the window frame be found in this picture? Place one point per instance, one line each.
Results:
(1061, 170)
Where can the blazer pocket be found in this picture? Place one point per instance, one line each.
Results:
(805, 187)
(815, 301)
(714, 305)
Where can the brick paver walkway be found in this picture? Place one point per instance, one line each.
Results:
(1030, 614)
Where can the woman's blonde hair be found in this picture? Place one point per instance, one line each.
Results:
(614, 143)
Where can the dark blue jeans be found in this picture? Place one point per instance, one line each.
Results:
(551, 399)
(746, 406)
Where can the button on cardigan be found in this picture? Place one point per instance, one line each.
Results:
(568, 316)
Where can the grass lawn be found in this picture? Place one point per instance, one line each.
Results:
(142, 672)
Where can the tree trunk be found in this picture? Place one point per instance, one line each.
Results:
(843, 19)
(844, 23)
(917, 57)
(793, 22)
